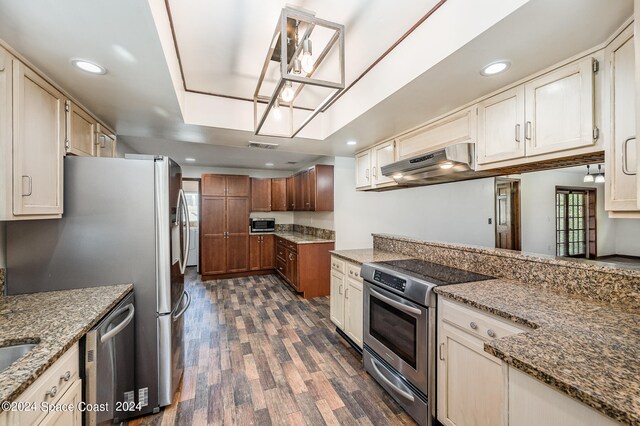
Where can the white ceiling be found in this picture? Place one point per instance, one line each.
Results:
(137, 98)
(223, 44)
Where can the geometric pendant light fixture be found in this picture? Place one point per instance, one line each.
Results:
(302, 73)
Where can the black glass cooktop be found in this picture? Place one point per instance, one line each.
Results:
(433, 272)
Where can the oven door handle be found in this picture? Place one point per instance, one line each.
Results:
(406, 395)
(404, 308)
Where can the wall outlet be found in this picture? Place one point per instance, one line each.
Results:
(490, 221)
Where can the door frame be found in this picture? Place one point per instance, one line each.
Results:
(516, 213)
(199, 180)
(591, 198)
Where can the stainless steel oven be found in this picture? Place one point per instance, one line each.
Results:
(400, 329)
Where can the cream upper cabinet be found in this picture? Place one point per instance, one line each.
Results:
(105, 143)
(501, 127)
(458, 127)
(6, 135)
(559, 109)
(363, 169)
(471, 384)
(81, 131)
(621, 190)
(382, 155)
(38, 144)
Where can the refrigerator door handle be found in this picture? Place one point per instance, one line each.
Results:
(118, 328)
(187, 245)
(183, 212)
(185, 295)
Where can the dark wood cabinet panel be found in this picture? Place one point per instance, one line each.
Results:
(214, 185)
(292, 269)
(279, 194)
(306, 267)
(305, 190)
(323, 188)
(298, 197)
(290, 193)
(311, 189)
(212, 254)
(254, 252)
(260, 194)
(267, 252)
(238, 186)
(237, 252)
(213, 215)
(237, 215)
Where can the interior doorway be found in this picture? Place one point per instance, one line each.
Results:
(576, 226)
(507, 204)
(191, 188)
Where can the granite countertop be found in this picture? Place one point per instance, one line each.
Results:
(361, 256)
(55, 321)
(586, 349)
(300, 238)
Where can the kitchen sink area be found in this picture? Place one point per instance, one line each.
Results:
(11, 353)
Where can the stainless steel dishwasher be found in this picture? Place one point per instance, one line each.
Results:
(109, 361)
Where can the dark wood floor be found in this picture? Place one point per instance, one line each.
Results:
(257, 353)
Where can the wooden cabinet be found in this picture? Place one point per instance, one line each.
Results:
(501, 127)
(81, 131)
(455, 128)
(533, 403)
(369, 165)
(71, 398)
(311, 189)
(559, 109)
(291, 201)
(346, 299)
(471, 384)
(279, 194)
(224, 233)
(260, 194)
(261, 252)
(621, 148)
(305, 267)
(105, 142)
(38, 144)
(64, 376)
(363, 170)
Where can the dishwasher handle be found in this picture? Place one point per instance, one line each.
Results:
(118, 328)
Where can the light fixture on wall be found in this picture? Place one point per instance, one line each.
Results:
(600, 175)
(289, 79)
(588, 178)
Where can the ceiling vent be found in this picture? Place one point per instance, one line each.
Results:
(263, 145)
(292, 162)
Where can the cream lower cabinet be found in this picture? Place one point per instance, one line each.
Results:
(471, 385)
(346, 299)
(59, 384)
(621, 158)
(533, 403)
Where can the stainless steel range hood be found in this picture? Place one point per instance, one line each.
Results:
(449, 164)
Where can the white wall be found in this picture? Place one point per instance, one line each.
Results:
(455, 212)
(539, 212)
(627, 236)
(122, 148)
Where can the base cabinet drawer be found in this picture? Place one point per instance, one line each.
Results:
(49, 389)
(69, 414)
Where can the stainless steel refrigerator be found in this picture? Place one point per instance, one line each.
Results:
(125, 220)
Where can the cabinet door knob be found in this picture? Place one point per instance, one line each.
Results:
(52, 392)
(66, 376)
(350, 272)
(473, 325)
(340, 289)
(491, 333)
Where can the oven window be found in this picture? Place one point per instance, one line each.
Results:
(394, 329)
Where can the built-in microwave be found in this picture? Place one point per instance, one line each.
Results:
(261, 224)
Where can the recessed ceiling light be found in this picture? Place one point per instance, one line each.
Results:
(191, 160)
(352, 143)
(495, 68)
(268, 164)
(87, 66)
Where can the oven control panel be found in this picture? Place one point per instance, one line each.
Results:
(390, 281)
